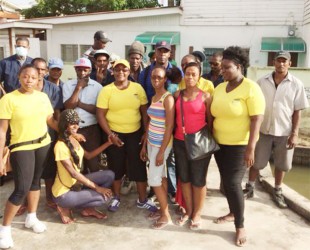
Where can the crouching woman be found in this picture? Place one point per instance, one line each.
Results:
(71, 188)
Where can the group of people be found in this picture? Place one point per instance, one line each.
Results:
(138, 115)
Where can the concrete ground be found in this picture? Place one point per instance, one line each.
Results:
(268, 227)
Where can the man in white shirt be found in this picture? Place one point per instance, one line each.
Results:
(285, 98)
(81, 95)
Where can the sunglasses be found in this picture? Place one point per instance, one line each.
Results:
(214, 63)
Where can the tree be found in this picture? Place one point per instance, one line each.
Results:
(46, 8)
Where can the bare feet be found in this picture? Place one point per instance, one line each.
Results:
(51, 204)
(65, 215)
(224, 219)
(92, 212)
(240, 237)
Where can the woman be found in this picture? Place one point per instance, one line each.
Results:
(69, 155)
(158, 144)
(238, 107)
(27, 112)
(192, 174)
(121, 109)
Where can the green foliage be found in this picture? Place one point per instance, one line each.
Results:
(46, 8)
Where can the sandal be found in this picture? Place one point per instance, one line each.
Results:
(161, 224)
(92, 212)
(183, 220)
(154, 216)
(65, 215)
(224, 219)
(195, 225)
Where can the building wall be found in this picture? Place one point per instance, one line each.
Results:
(236, 12)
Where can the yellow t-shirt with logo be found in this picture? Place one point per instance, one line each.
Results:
(123, 106)
(232, 111)
(203, 84)
(62, 152)
(27, 115)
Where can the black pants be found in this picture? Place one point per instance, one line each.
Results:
(27, 168)
(230, 160)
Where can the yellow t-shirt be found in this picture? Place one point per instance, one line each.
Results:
(62, 152)
(123, 106)
(232, 111)
(203, 84)
(27, 114)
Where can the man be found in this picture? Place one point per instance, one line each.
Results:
(100, 42)
(135, 54)
(55, 67)
(215, 74)
(81, 95)
(9, 67)
(101, 73)
(55, 96)
(162, 55)
(285, 98)
(203, 84)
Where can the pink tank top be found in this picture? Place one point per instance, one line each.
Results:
(194, 116)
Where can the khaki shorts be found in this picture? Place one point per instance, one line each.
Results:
(277, 146)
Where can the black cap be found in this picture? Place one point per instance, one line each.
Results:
(283, 54)
(198, 54)
(102, 36)
(163, 45)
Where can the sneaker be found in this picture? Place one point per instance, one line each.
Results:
(148, 204)
(6, 240)
(279, 198)
(36, 225)
(126, 186)
(248, 192)
(115, 202)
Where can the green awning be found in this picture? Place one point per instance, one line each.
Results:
(291, 44)
(154, 37)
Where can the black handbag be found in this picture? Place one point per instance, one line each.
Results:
(198, 145)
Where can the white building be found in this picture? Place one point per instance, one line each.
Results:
(261, 26)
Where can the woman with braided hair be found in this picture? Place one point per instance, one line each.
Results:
(71, 188)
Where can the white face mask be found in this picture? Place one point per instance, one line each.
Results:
(21, 51)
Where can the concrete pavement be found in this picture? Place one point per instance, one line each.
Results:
(268, 227)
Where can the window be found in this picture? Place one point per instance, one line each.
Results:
(1, 53)
(69, 52)
(294, 58)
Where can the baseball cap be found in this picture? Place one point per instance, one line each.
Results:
(101, 52)
(122, 61)
(102, 36)
(82, 62)
(283, 54)
(55, 63)
(163, 45)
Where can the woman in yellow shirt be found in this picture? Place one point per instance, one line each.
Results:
(27, 112)
(68, 155)
(238, 106)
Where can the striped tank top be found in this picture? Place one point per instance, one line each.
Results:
(157, 125)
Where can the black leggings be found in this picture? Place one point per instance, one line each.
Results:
(230, 160)
(27, 168)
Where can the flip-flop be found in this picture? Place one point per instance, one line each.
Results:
(195, 225)
(223, 219)
(161, 224)
(102, 216)
(62, 216)
(153, 216)
(182, 220)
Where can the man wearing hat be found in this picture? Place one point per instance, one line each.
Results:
(135, 54)
(55, 67)
(100, 41)
(285, 98)
(81, 95)
(101, 73)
